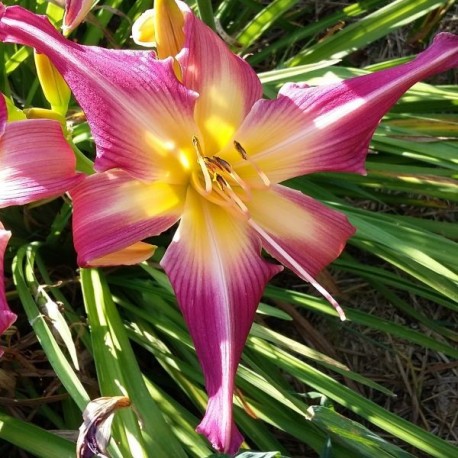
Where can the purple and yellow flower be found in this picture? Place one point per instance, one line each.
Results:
(186, 138)
(36, 162)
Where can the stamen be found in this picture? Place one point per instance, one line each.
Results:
(222, 202)
(226, 167)
(241, 150)
(222, 183)
(225, 190)
(203, 166)
(299, 269)
(228, 190)
(220, 163)
(242, 184)
(217, 178)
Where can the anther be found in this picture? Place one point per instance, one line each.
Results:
(222, 164)
(241, 150)
(222, 183)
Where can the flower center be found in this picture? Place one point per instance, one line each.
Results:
(216, 180)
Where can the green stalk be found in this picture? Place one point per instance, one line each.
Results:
(119, 374)
(35, 440)
(25, 281)
(206, 13)
(83, 164)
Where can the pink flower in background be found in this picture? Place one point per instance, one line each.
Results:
(36, 162)
(75, 13)
(7, 317)
(188, 139)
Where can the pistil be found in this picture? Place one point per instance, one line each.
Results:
(203, 166)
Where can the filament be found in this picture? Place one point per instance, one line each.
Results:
(241, 150)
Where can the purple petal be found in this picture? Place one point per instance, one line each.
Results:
(328, 128)
(217, 273)
(36, 162)
(140, 115)
(112, 211)
(3, 114)
(227, 86)
(300, 232)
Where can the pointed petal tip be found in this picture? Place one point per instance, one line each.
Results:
(223, 439)
(446, 37)
(218, 275)
(131, 255)
(7, 318)
(328, 128)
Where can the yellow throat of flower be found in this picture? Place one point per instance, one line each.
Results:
(217, 181)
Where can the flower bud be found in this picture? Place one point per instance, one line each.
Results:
(161, 27)
(54, 87)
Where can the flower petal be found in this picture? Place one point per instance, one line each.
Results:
(112, 211)
(75, 13)
(133, 254)
(217, 273)
(140, 115)
(55, 89)
(227, 85)
(169, 22)
(328, 128)
(35, 162)
(7, 317)
(312, 237)
(143, 32)
(3, 114)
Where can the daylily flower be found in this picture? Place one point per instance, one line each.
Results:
(201, 147)
(75, 13)
(35, 163)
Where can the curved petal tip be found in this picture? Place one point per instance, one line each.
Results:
(224, 438)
